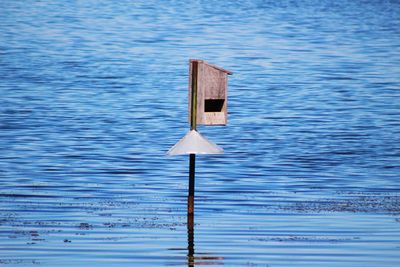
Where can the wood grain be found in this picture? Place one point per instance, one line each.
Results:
(212, 83)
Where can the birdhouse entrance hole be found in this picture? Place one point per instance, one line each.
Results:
(213, 105)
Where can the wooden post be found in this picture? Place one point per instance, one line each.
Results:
(215, 107)
(190, 216)
(192, 157)
(207, 106)
(192, 166)
(193, 100)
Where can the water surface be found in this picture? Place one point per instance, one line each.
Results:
(93, 93)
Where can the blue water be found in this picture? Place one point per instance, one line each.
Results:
(93, 94)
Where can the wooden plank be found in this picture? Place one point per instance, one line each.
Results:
(214, 83)
(190, 93)
(200, 94)
(215, 118)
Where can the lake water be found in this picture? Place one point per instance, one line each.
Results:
(93, 94)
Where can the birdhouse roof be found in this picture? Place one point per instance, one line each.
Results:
(211, 65)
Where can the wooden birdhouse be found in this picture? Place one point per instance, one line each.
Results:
(210, 86)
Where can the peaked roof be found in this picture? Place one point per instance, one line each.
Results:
(211, 65)
(194, 143)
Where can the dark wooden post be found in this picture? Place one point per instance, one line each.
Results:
(207, 106)
(192, 157)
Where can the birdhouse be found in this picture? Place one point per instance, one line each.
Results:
(208, 90)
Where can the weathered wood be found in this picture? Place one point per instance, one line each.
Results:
(212, 84)
(193, 95)
(211, 65)
(215, 118)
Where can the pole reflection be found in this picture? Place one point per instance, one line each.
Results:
(190, 232)
(192, 259)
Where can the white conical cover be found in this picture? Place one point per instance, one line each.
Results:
(194, 143)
